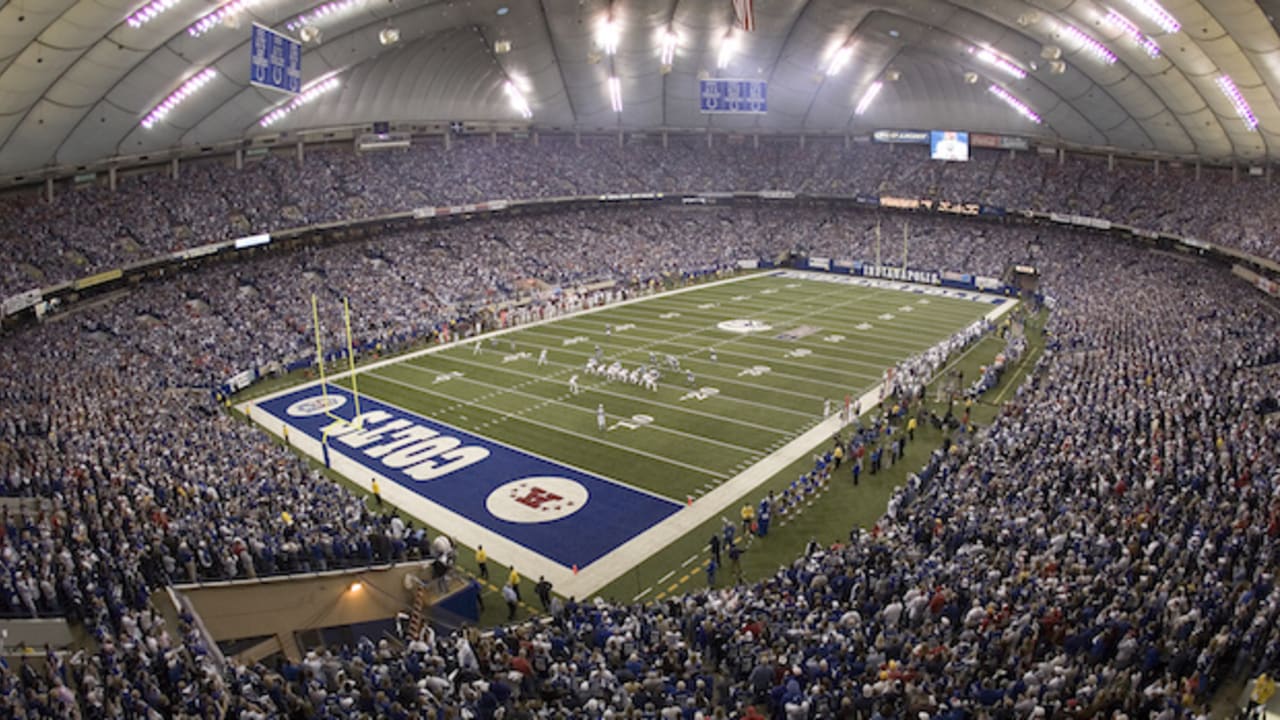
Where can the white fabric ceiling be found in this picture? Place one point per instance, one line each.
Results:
(75, 79)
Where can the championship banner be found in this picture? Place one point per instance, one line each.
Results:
(720, 95)
(958, 208)
(746, 12)
(275, 60)
(998, 142)
(102, 277)
(21, 301)
(910, 137)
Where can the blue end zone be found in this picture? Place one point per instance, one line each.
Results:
(566, 515)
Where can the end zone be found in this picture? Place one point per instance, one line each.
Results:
(475, 489)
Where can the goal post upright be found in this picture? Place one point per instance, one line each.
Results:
(351, 355)
(324, 381)
(315, 324)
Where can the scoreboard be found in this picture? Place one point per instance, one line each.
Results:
(721, 95)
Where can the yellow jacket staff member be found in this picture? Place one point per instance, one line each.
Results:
(748, 514)
(482, 562)
(1263, 688)
(514, 581)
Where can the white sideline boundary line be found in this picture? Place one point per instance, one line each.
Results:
(460, 342)
(458, 527)
(621, 559)
(565, 431)
(638, 549)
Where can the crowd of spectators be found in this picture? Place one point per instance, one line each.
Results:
(90, 228)
(1106, 548)
(202, 328)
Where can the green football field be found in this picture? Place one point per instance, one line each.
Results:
(751, 392)
(761, 358)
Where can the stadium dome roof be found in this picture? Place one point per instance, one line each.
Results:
(77, 77)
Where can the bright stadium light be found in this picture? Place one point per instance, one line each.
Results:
(668, 43)
(1157, 14)
(219, 15)
(309, 93)
(182, 93)
(518, 101)
(991, 58)
(615, 94)
(868, 97)
(1126, 25)
(607, 34)
(1015, 103)
(149, 12)
(1095, 48)
(1237, 100)
(839, 59)
(728, 48)
(323, 12)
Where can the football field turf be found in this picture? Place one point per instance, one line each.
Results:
(501, 451)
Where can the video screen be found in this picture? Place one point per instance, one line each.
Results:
(949, 145)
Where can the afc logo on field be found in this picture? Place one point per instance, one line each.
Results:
(537, 499)
(317, 405)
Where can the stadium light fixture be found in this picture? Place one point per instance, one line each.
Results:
(608, 32)
(1126, 25)
(321, 13)
(149, 12)
(309, 93)
(1095, 48)
(868, 97)
(518, 101)
(186, 90)
(990, 57)
(1013, 102)
(615, 94)
(356, 586)
(389, 35)
(839, 59)
(728, 48)
(219, 15)
(668, 42)
(1237, 100)
(1157, 14)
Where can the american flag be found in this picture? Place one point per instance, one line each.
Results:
(746, 12)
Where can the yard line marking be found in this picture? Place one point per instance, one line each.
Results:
(826, 308)
(598, 387)
(664, 578)
(753, 354)
(719, 379)
(691, 559)
(642, 594)
(644, 546)
(566, 431)
(936, 317)
(589, 411)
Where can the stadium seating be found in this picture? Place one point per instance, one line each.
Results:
(91, 228)
(1106, 549)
